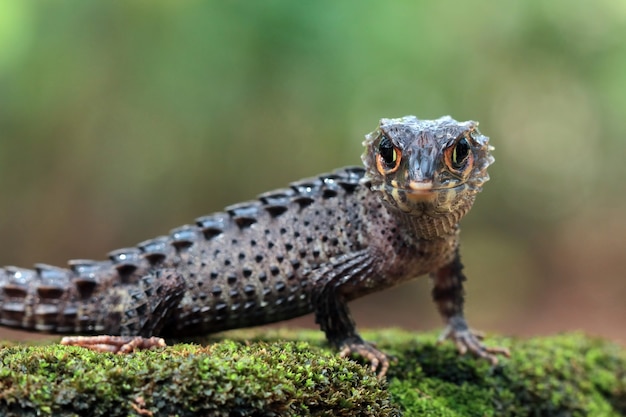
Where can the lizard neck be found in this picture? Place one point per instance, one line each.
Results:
(427, 226)
(430, 219)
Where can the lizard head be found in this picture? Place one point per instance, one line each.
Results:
(431, 168)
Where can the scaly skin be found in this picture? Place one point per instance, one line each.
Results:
(311, 247)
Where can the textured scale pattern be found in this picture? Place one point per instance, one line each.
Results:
(245, 259)
(311, 247)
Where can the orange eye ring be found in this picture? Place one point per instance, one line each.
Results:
(388, 157)
(391, 166)
(459, 157)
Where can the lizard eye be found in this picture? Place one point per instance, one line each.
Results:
(389, 156)
(458, 157)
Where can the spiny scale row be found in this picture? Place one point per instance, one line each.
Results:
(49, 283)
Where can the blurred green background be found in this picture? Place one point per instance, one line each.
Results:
(120, 120)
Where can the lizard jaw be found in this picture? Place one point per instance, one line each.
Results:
(416, 192)
(420, 191)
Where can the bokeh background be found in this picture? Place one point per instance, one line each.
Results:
(121, 120)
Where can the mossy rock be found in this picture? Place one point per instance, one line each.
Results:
(275, 373)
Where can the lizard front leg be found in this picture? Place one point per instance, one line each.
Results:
(333, 316)
(448, 294)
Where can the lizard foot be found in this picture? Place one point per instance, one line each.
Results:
(379, 361)
(113, 344)
(466, 339)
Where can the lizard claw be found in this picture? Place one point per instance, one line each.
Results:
(379, 361)
(469, 340)
(113, 344)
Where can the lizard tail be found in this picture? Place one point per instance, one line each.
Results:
(87, 297)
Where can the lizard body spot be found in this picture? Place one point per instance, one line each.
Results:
(244, 214)
(50, 292)
(183, 237)
(85, 287)
(155, 250)
(327, 193)
(249, 290)
(276, 211)
(304, 201)
(212, 225)
(277, 201)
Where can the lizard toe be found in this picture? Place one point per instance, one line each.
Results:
(113, 344)
(471, 341)
(379, 361)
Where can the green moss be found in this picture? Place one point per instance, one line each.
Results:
(283, 378)
(566, 375)
(259, 373)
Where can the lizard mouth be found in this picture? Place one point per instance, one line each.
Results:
(420, 191)
(417, 191)
(420, 196)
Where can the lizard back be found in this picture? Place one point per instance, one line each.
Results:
(248, 265)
